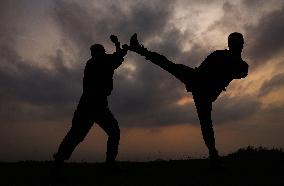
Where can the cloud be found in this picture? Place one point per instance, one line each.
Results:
(30, 92)
(260, 23)
(31, 88)
(273, 84)
(149, 97)
(44, 46)
(267, 37)
(151, 92)
(228, 109)
(90, 22)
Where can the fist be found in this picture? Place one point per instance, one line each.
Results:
(125, 46)
(241, 70)
(114, 39)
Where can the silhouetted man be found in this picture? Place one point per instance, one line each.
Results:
(207, 81)
(93, 105)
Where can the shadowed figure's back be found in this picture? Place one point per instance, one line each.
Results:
(93, 104)
(98, 73)
(98, 76)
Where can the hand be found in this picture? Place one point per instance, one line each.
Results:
(114, 39)
(134, 43)
(125, 47)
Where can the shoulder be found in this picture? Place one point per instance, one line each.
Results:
(183, 67)
(89, 62)
(218, 53)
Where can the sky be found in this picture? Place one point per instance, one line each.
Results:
(44, 46)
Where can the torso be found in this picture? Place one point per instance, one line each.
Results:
(98, 77)
(216, 72)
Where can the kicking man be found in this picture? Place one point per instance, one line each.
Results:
(206, 82)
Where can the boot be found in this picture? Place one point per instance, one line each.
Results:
(135, 46)
(111, 164)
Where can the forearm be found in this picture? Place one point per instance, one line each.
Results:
(118, 57)
(120, 52)
(117, 47)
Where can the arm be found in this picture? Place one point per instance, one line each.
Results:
(119, 53)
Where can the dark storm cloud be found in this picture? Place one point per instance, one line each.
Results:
(273, 84)
(28, 87)
(23, 86)
(161, 112)
(263, 38)
(231, 20)
(36, 93)
(29, 92)
(149, 99)
(172, 43)
(267, 37)
(95, 22)
(229, 109)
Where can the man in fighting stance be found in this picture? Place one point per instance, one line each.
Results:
(206, 82)
(93, 105)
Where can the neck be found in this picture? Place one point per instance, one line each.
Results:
(235, 54)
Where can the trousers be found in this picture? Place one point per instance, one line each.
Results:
(84, 117)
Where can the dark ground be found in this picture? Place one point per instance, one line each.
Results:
(248, 166)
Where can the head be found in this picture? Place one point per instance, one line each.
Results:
(236, 42)
(97, 50)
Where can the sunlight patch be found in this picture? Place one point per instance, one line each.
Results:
(186, 100)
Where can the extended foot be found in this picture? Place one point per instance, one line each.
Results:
(214, 155)
(215, 160)
(55, 175)
(135, 46)
(56, 166)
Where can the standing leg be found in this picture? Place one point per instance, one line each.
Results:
(204, 108)
(110, 125)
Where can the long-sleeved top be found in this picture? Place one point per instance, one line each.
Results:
(211, 77)
(98, 74)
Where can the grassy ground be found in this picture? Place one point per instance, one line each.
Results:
(245, 167)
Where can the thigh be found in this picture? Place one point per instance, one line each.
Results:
(82, 122)
(204, 107)
(105, 119)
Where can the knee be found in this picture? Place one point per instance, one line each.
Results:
(206, 123)
(206, 126)
(77, 134)
(79, 138)
(115, 133)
